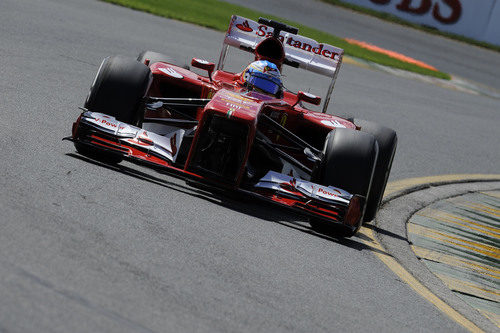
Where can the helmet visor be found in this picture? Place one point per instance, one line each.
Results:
(264, 83)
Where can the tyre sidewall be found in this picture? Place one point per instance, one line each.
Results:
(387, 142)
(349, 158)
(118, 88)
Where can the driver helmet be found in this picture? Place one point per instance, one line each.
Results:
(263, 76)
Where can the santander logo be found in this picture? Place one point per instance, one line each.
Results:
(244, 26)
(296, 41)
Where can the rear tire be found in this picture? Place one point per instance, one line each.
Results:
(349, 159)
(387, 142)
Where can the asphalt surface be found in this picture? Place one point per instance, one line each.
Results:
(87, 248)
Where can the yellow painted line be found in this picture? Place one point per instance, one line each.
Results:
(416, 285)
(495, 194)
(400, 185)
(456, 262)
(467, 223)
(439, 236)
(484, 209)
(438, 213)
(398, 269)
(491, 316)
(470, 288)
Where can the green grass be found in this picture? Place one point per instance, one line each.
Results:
(215, 14)
(395, 19)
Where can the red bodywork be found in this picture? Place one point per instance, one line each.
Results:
(230, 99)
(236, 139)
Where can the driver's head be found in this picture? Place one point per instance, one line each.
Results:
(263, 76)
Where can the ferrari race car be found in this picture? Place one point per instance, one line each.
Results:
(219, 130)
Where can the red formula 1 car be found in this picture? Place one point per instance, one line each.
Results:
(220, 130)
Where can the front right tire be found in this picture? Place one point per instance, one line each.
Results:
(118, 90)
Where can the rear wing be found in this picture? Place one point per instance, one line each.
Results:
(300, 51)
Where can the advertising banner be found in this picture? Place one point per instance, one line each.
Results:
(492, 33)
(478, 19)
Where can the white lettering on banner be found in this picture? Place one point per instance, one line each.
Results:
(470, 18)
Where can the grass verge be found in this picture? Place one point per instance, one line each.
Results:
(215, 14)
(395, 19)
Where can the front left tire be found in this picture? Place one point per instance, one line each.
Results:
(349, 158)
(387, 141)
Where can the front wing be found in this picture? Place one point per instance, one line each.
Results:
(104, 133)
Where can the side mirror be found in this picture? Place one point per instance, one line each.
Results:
(308, 98)
(203, 64)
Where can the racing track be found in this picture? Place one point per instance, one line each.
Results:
(85, 247)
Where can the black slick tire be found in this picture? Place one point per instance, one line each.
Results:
(118, 89)
(387, 142)
(349, 158)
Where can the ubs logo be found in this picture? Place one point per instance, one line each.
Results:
(422, 7)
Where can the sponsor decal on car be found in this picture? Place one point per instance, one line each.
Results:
(237, 97)
(171, 72)
(104, 121)
(333, 123)
(309, 95)
(319, 50)
(244, 26)
(291, 184)
(295, 41)
(201, 61)
(233, 106)
(327, 192)
(236, 101)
